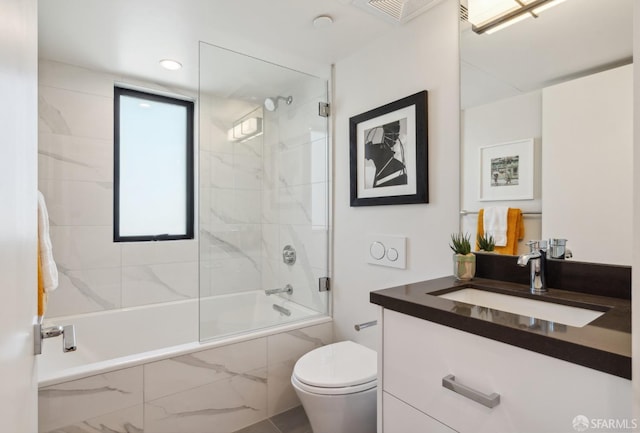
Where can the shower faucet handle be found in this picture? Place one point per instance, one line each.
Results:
(69, 339)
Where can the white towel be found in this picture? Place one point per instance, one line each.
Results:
(495, 224)
(49, 269)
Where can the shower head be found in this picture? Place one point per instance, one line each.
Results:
(271, 104)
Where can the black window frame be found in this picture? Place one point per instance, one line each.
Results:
(190, 168)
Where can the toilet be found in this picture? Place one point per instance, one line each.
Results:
(337, 385)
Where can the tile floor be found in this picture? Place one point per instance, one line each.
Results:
(291, 421)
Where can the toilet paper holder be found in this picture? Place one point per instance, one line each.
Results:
(360, 326)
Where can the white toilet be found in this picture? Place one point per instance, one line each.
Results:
(336, 384)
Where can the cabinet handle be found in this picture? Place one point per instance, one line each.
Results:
(490, 401)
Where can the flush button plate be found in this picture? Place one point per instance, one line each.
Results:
(386, 250)
(377, 250)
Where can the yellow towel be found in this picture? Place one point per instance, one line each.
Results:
(42, 295)
(515, 231)
(47, 270)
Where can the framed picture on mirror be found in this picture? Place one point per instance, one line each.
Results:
(506, 171)
(388, 153)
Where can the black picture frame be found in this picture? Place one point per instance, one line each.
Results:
(389, 153)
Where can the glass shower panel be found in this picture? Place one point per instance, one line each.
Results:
(263, 194)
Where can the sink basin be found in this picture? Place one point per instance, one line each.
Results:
(558, 313)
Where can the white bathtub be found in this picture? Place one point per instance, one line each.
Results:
(143, 368)
(117, 339)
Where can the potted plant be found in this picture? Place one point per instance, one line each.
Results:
(486, 243)
(464, 261)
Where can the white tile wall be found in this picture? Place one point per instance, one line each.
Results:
(304, 204)
(306, 163)
(221, 171)
(84, 399)
(235, 275)
(68, 112)
(165, 282)
(220, 407)
(85, 247)
(129, 420)
(64, 76)
(150, 253)
(76, 177)
(66, 157)
(247, 171)
(279, 182)
(182, 373)
(222, 389)
(78, 203)
(85, 291)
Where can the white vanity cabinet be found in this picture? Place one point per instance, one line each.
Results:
(537, 393)
(399, 417)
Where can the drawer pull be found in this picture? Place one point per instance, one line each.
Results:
(490, 401)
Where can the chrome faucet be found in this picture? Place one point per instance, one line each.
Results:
(286, 289)
(537, 257)
(68, 333)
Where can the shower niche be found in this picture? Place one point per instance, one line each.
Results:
(263, 185)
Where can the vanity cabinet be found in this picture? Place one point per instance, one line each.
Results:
(537, 393)
(399, 417)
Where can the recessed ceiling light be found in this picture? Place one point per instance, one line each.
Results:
(322, 21)
(171, 65)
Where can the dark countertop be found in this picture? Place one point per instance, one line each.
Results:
(604, 344)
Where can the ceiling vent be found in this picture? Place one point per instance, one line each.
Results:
(464, 16)
(464, 13)
(396, 11)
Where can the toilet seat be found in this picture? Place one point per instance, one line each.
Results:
(339, 368)
(333, 391)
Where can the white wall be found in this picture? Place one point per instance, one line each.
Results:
(509, 119)
(588, 165)
(422, 55)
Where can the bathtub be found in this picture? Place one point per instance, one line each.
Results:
(121, 338)
(140, 366)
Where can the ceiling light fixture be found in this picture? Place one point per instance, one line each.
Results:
(171, 65)
(491, 16)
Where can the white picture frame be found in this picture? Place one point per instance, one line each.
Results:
(507, 171)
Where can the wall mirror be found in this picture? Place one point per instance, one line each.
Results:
(563, 81)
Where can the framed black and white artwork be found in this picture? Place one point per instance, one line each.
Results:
(506, 171)
(388, 153)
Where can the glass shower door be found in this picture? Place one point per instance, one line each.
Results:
(263, 194)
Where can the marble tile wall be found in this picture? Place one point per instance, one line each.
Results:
(295, 195)
(266, 193)
(75, 174)
(216, 390)
(254, 198)
(230, 201)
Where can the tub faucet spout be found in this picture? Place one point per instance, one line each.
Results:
(536, 258)
(68, 333)
(288, 289)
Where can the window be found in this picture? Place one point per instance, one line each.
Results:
(153, 167)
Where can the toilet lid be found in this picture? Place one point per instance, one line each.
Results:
(337, 365)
